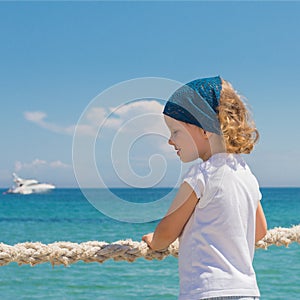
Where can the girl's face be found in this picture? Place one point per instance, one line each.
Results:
(190, 141)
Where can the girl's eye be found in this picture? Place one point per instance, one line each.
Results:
(175, 131)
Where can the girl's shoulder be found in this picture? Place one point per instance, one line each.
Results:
(196, 170)
(223, 160)
(216, 163)
(196, 177)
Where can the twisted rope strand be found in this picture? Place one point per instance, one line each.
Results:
(66, 253)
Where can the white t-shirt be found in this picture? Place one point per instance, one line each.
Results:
(218, 242)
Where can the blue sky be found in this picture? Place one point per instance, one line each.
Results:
(57, 57)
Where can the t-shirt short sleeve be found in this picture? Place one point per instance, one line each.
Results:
(257, 192)
(259, 195)
(196, 179)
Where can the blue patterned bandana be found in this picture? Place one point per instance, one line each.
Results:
(196, 103)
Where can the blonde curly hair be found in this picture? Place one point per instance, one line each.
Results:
(238, 129)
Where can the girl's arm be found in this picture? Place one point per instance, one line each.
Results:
(261, 224)
(171, 226)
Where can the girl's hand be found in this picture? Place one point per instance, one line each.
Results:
(148, 238)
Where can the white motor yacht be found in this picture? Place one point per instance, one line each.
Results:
(28, 186)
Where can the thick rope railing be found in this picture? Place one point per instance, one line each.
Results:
(66, 253)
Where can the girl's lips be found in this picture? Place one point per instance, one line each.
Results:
(178, 152)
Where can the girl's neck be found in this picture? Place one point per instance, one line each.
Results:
(216, 144)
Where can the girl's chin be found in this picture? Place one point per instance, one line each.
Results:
(183, 158)
(187, 160)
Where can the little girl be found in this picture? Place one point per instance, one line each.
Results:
(216, 213)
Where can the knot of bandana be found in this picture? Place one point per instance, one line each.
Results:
(196, 103)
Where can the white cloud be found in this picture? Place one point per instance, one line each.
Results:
(138, 117)
(96, 115)
(81, 129)
(35, 117)
(138, 107)
(38, 163)
(38, 117)
(112, 118)
(58, 164)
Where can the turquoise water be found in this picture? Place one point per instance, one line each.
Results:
(65, 215)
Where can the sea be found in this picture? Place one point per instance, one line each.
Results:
(67, 215)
